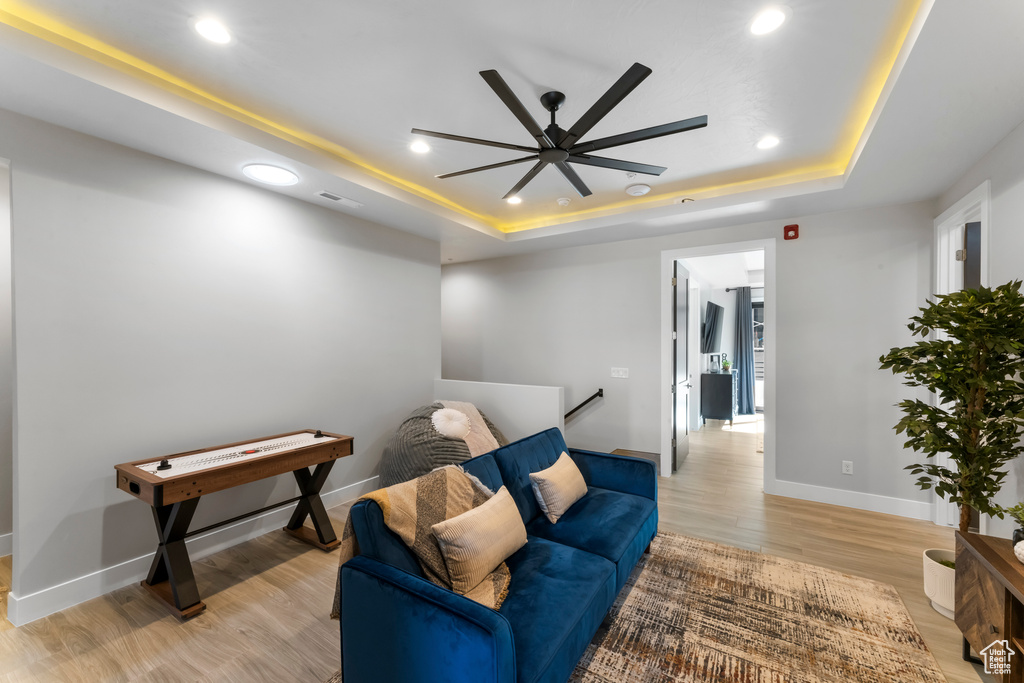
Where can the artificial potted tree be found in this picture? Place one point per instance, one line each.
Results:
(973, 364)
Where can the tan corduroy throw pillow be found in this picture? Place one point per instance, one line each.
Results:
(558, 487)
(477, 541)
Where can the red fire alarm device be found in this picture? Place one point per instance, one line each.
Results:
(791, 232)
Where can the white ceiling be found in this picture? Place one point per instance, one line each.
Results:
(338, 86)
(741, 269)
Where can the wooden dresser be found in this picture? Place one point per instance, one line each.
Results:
(990, 597)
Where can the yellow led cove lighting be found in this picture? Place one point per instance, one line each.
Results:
(25, 19)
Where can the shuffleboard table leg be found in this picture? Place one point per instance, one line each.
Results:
(170, 576)
(312, 505)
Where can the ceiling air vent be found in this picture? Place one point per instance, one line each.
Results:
(351, 203)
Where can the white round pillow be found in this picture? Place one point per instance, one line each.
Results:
(451, 423)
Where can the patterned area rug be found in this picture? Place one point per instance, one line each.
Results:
(700, 611)
(694, 611)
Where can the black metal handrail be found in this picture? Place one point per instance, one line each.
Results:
(598, 394)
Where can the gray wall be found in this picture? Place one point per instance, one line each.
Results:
(845, 290)
(6, 362)
(1004, 167)
(159, 309)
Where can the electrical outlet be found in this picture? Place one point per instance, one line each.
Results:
(847, 467)
(620, 372)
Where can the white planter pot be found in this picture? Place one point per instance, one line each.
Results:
(939, 581)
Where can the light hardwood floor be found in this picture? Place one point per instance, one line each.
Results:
(268, 599)
(717, 494)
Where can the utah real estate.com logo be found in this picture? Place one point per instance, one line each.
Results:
(997, 657)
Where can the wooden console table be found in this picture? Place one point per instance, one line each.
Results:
(990, 598)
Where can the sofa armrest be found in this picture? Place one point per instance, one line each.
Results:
(617, 472)
(400, 628)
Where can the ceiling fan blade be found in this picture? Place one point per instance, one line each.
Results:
(573, 179)
(475, 141)
(618, 165)
(639, 135)
(615, 94)
(488, 167)
(530, 175)
(501, 89)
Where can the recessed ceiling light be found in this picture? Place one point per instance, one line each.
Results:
(767, 142)
(272, 175)
(514, 200)
(212, 30)
(638, 190)
(768, 20)
(419, 147)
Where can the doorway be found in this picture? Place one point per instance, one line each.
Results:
(961, 261)
(700, 364)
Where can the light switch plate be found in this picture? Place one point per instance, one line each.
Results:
(620, 372)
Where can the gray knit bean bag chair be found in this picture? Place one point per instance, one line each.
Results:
(418, 447)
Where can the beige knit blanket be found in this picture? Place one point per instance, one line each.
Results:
(479, 440)
(411, 509)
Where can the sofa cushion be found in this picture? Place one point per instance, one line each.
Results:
(518, 459)
(484, 468)
(557, 599)
(616, 526)
(558, 487)
(474, 543)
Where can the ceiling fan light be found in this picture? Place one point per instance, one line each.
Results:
(271, 175)
(213, 30)
(767, 142)
(514, 200)
(419, 146)
(768, 20)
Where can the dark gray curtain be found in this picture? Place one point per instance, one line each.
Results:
(744, 359)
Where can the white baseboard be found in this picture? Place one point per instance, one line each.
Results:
(22, 609)
(6, 544)
(852, 499)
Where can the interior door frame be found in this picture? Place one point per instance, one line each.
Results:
(947, 238)
(668, 258)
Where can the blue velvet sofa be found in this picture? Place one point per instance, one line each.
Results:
(398, 627)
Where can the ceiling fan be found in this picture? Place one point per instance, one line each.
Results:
(560, 147)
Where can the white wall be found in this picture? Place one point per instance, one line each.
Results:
(845, 290)
(159, 309)
(1004, 167)
(517, 410)
(6, 368)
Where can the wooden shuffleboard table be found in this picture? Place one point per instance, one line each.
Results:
(173, 485)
